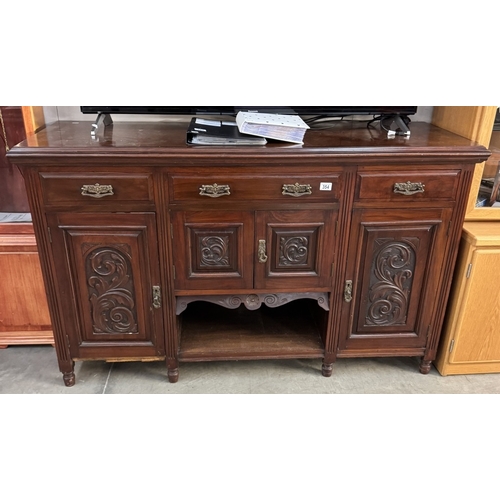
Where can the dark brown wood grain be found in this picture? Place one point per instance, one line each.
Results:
(156, 229)
(106, 266)
(211, 332)
(394, 266)
(345, 144)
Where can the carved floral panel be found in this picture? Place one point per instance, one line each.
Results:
(295, 250)
(391, 279)
(213, 250)
(111, 290)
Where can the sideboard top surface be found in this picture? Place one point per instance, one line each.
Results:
(159, 140)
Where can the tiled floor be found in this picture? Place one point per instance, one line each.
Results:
(34, 370)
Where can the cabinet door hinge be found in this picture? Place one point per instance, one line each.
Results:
(336, 227)
(449, 227)
(171, 231)
(452, 343)
(469, 269)
(67, 340)
(173, 269)
(49, 233)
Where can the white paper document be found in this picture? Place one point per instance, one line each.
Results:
(289, 128)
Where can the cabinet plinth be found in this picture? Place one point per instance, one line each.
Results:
(152, 249)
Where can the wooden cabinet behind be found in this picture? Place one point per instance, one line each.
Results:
(342, 247)
(24, 314)
(471, 338)
(470, 342)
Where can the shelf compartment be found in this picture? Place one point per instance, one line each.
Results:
(211, 332)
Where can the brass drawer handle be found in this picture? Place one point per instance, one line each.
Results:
(297, 189)
(214, 190)
(97, 191)
(409, 188)
(262, 251)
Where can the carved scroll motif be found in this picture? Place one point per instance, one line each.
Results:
(111, 290)
(293, 251)
(214, 251)
(390, 285)
(253, 301)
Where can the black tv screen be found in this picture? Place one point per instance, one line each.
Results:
(233, 110)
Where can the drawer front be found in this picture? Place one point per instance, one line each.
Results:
(227, 188)
(96, 188)
(408, 186)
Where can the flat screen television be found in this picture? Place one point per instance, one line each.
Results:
(332, 111)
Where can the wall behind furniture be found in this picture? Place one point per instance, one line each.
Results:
(70, 113)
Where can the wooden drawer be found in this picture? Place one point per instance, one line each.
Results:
(408, 186)
(316, 188)
(96, 189)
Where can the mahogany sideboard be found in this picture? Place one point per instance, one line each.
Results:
(152, 249)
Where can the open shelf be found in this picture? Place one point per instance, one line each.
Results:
(212, 332)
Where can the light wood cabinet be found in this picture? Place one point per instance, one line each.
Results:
(471, 336)
(470, 342)
(475, 123)
(24, 314)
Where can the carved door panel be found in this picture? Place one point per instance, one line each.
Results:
(393, 274)
(109, 283)
(213, 250)
(295, 249)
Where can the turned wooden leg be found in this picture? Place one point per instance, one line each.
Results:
(173, 370)
(67, 368)
(327, 366)
(173, 375)
(425, 366)
(327, 369)
(69, 379)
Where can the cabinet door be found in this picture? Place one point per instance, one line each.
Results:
(477, 333)
(107, 266)
(294, 249)
(213, 249)
(392, 278)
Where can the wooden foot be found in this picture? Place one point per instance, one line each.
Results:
(425, 367)
(327, 369)
(3, 346)
(173, 375)
(69, 379)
